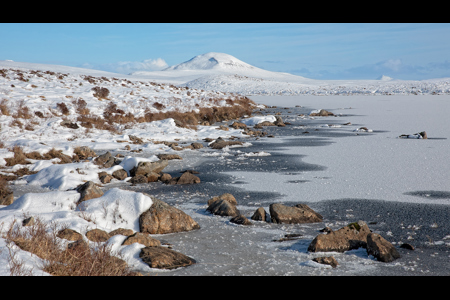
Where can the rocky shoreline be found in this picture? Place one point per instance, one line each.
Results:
(165, 219)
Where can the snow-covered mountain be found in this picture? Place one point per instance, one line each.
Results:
(215, 71)
(216, 61)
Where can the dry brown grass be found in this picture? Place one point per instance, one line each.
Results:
(115, 115)
(63, 108)
(80, 107)
(23, 111)
(79, 259)
(100, 92)
(20, 157)
(240, 108)
(91, 121)
(5, 189)
(4, 109)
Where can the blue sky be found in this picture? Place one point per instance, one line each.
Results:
(319, 50)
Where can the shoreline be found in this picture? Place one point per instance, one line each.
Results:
(223, 248)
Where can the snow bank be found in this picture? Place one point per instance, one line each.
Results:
(117, 209)
(259, 119)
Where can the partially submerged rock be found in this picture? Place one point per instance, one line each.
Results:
(221, 143)
(327, 260)
(162, 218)
(160, 257)
(145, 167)
(186, 178)
(240, 220)
(300, 213)
(223, 205)
(420, 135)
(321, 113)
(352, 236)
(261, 215)
(380, 248)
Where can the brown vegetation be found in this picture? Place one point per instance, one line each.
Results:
(20, 157)
(4, 107)
(100, 92)
(78, 259)
(63, 108)
(5, 189)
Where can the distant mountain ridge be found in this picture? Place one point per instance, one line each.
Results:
(213, 61)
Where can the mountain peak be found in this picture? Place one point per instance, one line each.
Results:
(212, 60)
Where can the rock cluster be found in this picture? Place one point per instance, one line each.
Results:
(160, 218)
(354, 236)
(226, 205)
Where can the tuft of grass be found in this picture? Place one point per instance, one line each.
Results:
(18, 158)
(77, 259)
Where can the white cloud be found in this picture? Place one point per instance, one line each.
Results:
(390, 64)
(126, 67)
(146, 65)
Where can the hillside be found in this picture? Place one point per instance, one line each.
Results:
(45, 106)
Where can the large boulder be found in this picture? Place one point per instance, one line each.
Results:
(223, 207)
(162, 218)
(261, 215)
(297, 214)
(88, 190)
(186, 178)
(145, 167)
(380, 248)
(227, 196)
(160, 257)
(352, 236)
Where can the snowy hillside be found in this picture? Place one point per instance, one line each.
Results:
(46, 106)
(222, 72)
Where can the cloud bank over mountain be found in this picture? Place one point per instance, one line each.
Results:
(126, 67)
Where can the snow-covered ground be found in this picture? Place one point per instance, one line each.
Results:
(373, 166)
